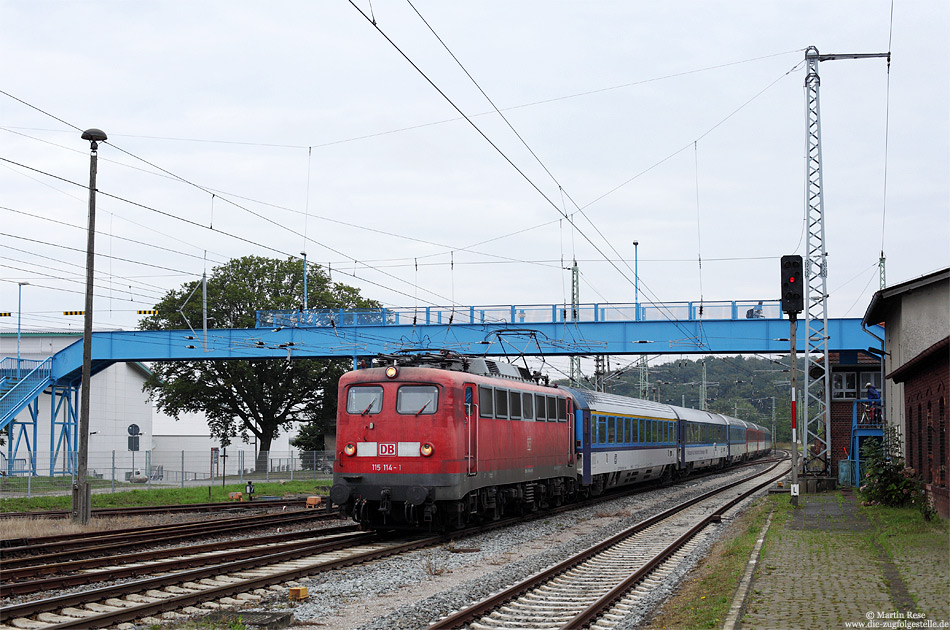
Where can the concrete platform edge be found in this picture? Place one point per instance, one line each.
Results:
(742, 591)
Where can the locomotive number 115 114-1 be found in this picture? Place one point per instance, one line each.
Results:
(386, 467)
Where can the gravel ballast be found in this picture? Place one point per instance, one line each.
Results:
(412, 590)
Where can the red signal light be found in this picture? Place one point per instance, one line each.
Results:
(791, 279)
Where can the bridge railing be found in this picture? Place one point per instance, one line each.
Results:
(24, 389)
(522, 314)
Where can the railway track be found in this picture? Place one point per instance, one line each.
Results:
(144, 510)
(67, 545)
(181, 578)
(28, 579)
(600, 585)
(181, 589)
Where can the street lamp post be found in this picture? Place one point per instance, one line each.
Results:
(82, 499)
(19, 314)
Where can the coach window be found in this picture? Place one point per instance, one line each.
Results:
(364, 399)
(626, 430)
(417, 400)
(501, 403)
(541, 406)
(527, 406)
(485, 406)
(514, 405)
(561, 409)
(611, 430)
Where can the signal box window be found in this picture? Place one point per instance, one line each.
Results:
(417, 400)
(364, 399)
(527, 406)
(485, 406)
(844, 384)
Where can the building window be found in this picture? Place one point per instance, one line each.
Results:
(874, 378)
(844, 385)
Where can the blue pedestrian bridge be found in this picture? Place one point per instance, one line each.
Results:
(720, 327)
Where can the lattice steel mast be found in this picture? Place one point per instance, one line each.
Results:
(575, 309)
(817, 416)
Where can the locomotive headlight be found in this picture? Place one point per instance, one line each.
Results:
(350, 449)
(426, 449)
(392, 371)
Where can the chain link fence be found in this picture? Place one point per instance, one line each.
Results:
(117, 471)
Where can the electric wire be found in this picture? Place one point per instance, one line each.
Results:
(189, 221)
(498, 149)
(438, 122)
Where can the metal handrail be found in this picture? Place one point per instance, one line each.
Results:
(25, 389)
(522, 314)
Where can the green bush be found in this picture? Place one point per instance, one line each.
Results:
(887, 480)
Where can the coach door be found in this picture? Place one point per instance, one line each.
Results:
(471, 430)
(570, 432)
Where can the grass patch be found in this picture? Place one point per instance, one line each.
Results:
(166, 496)
(705, 596)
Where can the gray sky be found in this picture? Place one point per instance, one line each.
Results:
(676, 124)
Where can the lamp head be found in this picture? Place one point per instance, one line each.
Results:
(95, 135)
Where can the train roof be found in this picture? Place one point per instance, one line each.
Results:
(611, 403)
(697, 415)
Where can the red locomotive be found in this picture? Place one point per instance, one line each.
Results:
(448, 440)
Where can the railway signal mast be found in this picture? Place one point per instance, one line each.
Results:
(817, 429)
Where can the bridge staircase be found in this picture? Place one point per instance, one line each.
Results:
(21, 383)
(867, 423)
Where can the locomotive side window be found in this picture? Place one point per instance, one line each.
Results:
(485, 405)
(561, 409)
(417, 400)
(552, 408)
(514, 405)
(501, 403)
(527, 406)
(541, 406)
(364, 399)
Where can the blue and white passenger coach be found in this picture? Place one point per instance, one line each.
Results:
(620, 440)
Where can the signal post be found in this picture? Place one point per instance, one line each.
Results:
(792, 304)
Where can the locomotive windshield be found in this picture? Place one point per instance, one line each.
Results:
(415, 400)
(364, 399)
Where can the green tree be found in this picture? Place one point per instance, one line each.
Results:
(250, 398)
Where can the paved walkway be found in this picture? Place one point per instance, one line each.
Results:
(821, 568)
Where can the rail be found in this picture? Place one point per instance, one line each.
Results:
(24, 389)
(523, 314)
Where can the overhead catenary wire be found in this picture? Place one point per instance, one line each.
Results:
(196, 224)
(504, 236)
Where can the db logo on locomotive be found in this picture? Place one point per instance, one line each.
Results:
(387, 449)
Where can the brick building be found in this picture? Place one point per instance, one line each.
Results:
(916, 319)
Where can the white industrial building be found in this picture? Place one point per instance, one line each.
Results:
(126, 431)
